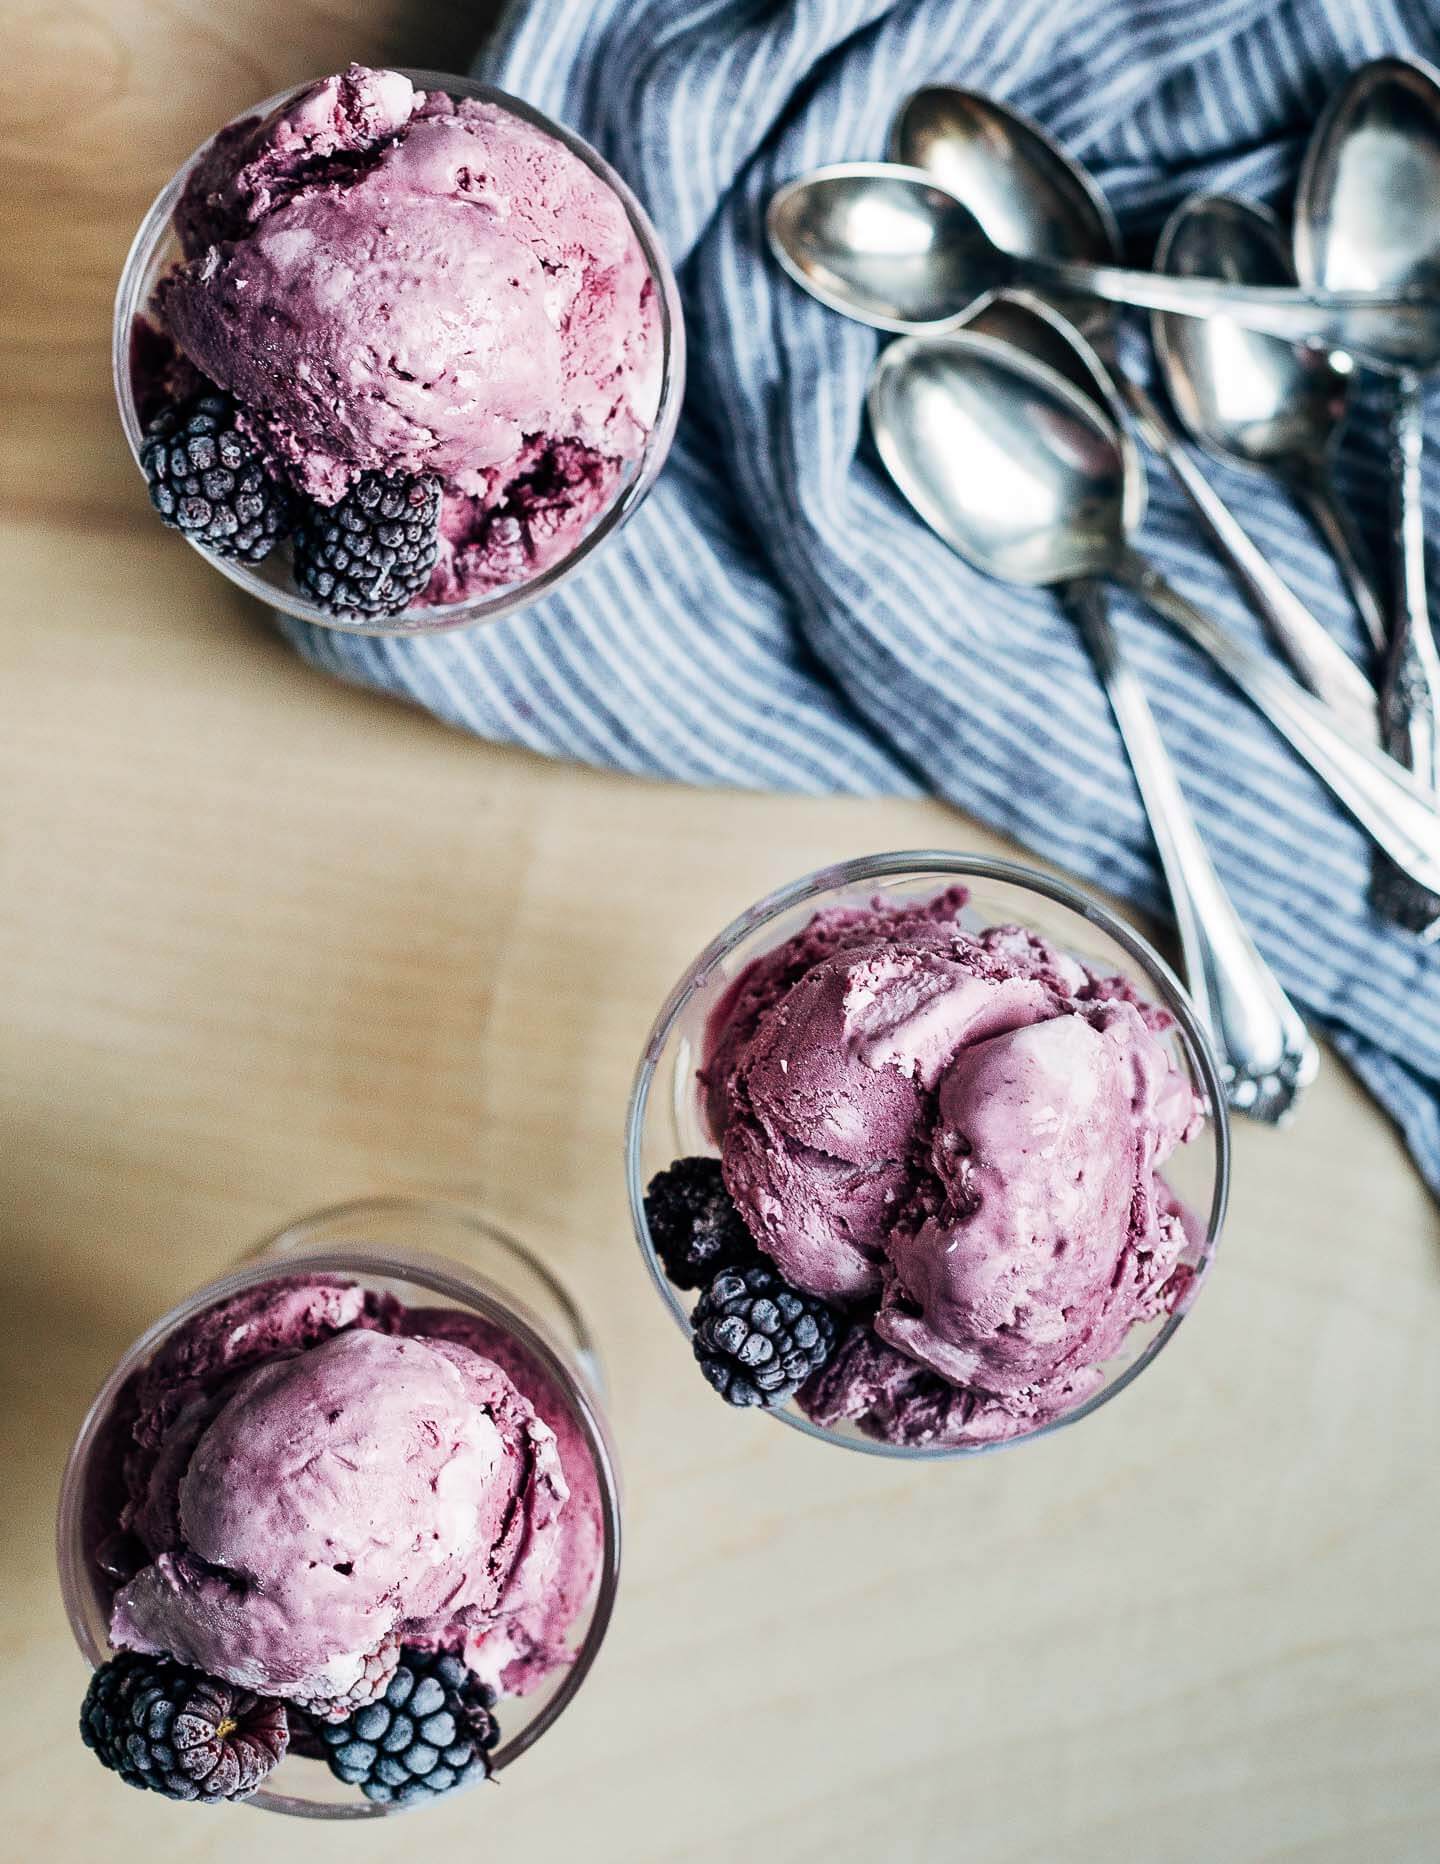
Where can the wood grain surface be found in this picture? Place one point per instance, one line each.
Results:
(266, 943)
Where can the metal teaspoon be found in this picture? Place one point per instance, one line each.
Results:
(1266, 1055)
(980, 424)
(1368, 209)
(1255, 400)
(887, 237)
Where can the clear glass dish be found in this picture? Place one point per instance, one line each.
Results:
(667, 1121)
(425, 1252)
(155, 249)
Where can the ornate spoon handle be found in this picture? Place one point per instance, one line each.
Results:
(1410, 691)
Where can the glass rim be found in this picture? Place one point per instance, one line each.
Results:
(445, 1277)
(945, 866)
(474, 611)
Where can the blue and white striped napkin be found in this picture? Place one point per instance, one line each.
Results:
(774, 617)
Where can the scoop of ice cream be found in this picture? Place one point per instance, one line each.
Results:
(826, 1097)
(959, 1136)
(389, 279)
(832, 1094)
(338, 1495)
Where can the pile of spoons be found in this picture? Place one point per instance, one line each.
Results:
(992, 256)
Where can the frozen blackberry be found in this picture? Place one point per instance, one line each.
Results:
(170, 1730)
(431, 1732)
(374, 552)
(694, 1224)
(758, 1339)
(206, 479)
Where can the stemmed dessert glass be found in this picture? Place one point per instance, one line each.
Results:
(426, 1252)
(667, 1119)
(155, 249)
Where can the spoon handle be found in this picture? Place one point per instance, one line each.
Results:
(1267, 1057)
(1317, 494)
(1394, 810)
(1412, 675)
(1315, 654)
(1388, 333)
(1410, 690)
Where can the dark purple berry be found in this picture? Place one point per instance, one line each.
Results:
(171, 1730)
(207, 480)
(372, 553)
(693, 1223)
(758, 1339)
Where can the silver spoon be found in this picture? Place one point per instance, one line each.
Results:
(1368, 212)
(1254, 400)
(1025, 189)
(1267, 1058)
(984, 428)
(889, 237)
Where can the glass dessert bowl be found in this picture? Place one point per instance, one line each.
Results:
(291, 1412)
(928, 1154)
(526, 384)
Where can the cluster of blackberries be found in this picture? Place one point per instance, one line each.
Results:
(171, 1730)
(756, 1338)
(369, 555)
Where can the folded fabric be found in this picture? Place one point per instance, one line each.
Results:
(775, 616)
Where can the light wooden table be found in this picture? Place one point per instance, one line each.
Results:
(266, 943)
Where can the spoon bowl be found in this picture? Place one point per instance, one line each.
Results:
(1029, 324)
(883, 244)
(1244, 396)
(1013, 467)
(1368, 212)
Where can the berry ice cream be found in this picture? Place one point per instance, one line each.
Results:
(395, 282)
(308, 1477)
(955, 1139)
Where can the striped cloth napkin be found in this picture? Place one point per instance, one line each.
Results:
(774, 617)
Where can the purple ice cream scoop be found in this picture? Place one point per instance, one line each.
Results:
(957, 1137)
(395, 280)
(315, 1475)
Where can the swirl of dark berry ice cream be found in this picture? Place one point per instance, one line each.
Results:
(310, 1476)
(958, 1138)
